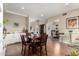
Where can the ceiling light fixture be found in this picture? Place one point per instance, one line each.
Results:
(42, 15)
(22, 7)
(57, 20)
(66, 3)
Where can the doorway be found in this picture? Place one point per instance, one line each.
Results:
(42, 29)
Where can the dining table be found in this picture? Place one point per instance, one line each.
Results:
(34, 41)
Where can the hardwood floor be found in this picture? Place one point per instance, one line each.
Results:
(54, 48)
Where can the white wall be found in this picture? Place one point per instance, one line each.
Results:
(23, 22)
(14, 31)
(2, 50)
(62, 22)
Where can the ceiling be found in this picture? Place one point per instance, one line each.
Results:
(40, 10)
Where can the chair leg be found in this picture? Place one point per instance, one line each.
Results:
(40, 50)
(29, 50)
(25, 51)
(46, 50)
(22, 50)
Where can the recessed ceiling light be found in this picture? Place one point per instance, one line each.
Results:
(42, 15)
(22, 7)
(57, 20)
(66, 3)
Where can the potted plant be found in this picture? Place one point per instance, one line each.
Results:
(74, 53)
(5, 21)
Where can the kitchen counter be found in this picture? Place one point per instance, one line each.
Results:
(12, 38)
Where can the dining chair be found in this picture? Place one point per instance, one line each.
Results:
(25, 43)
(30, 45)
(23, 51)
(44, 42)
(41, 43)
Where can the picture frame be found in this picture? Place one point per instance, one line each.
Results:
(72, 22)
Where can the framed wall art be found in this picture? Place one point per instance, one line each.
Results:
(72, 22)
(16, 24)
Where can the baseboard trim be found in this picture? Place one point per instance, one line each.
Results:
(13, 43)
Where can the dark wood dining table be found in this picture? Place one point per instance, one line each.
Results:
(35, 40)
